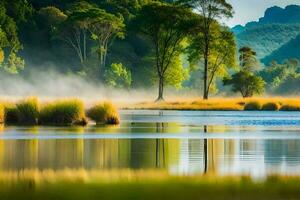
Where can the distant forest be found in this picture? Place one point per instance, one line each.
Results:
(145, 43)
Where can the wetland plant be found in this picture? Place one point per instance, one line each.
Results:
(11, 114)
(27, 111)
(104, 113)
(290, 107)
(63, 112)
(271, 106)
(253, 106)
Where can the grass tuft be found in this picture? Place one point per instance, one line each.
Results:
(104, 113)
(28, 111)
(271, 106)
(290, 107)
(63, 112)
(11, 114)
(253, 106)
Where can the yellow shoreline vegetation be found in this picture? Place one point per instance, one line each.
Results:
(222, 104)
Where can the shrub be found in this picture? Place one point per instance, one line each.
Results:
(271, 106)
(253, 105)
(11, 114)
(104, 113)
(290, 107)
(28, 111)
(63, 112)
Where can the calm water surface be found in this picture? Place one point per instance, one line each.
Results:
(181, 142)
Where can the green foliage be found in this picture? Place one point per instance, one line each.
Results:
(118, 76)
(248, 59)
(176, 74)
(271, 106)
(63, 112)
(267, 38)
(286, 51)
(253, 106)
(222, 55)
(167, 26)
(9, 43)
(246, 83)
(19, 10)
(28, 111)
(51, 17)
(104, 113)
(281, 78)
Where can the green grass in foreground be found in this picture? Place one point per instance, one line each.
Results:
(136, 185)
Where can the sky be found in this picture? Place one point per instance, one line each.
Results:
(252, 10)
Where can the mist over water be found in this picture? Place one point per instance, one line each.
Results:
(52, 84)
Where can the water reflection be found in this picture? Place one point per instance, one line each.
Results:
(178, 142)
(179, 156)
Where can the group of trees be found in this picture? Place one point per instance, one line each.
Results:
(129, 43)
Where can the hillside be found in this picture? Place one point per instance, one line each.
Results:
(266, 39)
(272, 36)
(288, 50)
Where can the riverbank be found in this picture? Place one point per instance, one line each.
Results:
(221, 104)
(147, 185)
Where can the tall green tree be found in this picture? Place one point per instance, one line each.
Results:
(211, 11)
(222, 53)
(167, 26)
(74, 32)
(104, 27)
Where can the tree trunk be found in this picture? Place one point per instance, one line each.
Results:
(160, 89)
(206, 54)
(205, 89)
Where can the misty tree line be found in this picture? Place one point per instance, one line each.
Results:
(135, 43)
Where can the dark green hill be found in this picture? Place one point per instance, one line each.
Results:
(289, 50)
(265, 39)
(273, 35)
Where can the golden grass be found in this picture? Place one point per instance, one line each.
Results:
(67, 111)
(218, 104)
(27, 111)
(104, 113)
(63, 112)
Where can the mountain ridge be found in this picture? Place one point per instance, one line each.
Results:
(274, 36)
